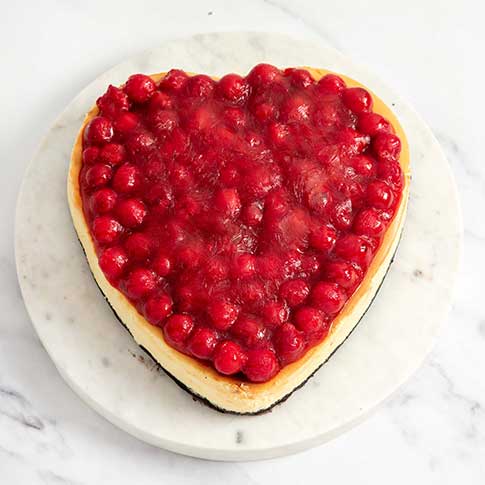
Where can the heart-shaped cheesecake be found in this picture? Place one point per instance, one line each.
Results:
(240, 227)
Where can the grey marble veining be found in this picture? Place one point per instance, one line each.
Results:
(429, 431)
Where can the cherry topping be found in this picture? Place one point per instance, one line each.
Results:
(387, 147)
(310, 320)
(127, 179)
(369, 223)
(347, 275)
(294, 292)
(234, 88)
(263, 75)
(158, 308)
(90, 155)
(162, 265)
(113, 101)
(113, 262)
(98, 175)
(131, 212)
(354, 249)
(331, 84)
(202, 343)
(174, 81)
(140, 88)
(125, 122)
(112, 154)
(98, 131)
(227, 201)
(289, 343)
(379, 195)
(275, 313)
(323, 238)
(229, 358)
(261, 365)
(222, 313)
(106, 229)
(373, 123)
(357, 99)
(103, 201)
(250, 331)
(139, 246)
(178, 328)
(328, 297)
(140, 282)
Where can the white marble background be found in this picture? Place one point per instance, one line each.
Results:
(433, 430)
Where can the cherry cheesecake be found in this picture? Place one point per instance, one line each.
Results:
(239, 227)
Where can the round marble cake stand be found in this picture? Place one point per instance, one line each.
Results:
(104, 366)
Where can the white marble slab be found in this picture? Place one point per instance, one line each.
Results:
(103, 365)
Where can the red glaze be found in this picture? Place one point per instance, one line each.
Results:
(239, 215)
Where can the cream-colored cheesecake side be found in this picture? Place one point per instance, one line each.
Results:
(224, 392)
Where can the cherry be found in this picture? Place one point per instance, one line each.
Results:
(200, 86)
(106, 229)
(202, 343)
(90, 155)
(140, 143)
(391, 172)
(289, 343)
(140, 282)
(249, 330)
(162, 122)
(229, 358)
(235, 118)
(98, 175)
(294, 292)
(262, 75)
(310, 321)
(223, 313)
(112, 153)
(127, 179)
(355, 249)
(387, 147)
(131, 212)
(178, 328)
(373, 123)
(331, 84)
(252, 214)
(113, 101)
(300, 78)
(162, 265)
(227, 201)
(357, 99)
(98, 131)
(342, 214)
(233, 88)
(160, 100)
(364, 165)
(295, 109)
(328, 297)
(140, 88)
(139, 246)
(125, 122)
(113, 262)
(216, 269)
(345, 274)
(368, 222)
(275, 313)
(261, 365)
(379, 195)
(158, 308)
(323, 238)
(103, 201)
(244, 266)
(174, 81)
(278, 133)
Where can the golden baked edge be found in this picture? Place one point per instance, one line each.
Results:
(226, 393)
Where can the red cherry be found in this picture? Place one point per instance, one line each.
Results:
(355, 249)
(345, 274)
(98, 175)
(295, 109)
(328, 297)
(233, 88)
(162, 265)
(235, 118)
(310, 321)
(157, 309)
(222, 313)
(200, 86)
(90, 155)
(379, 195)
(229, 358)
(140, 88)
(364, 165)
(125, 122)
(289, 343)
(202, 343)
(140, 282)
(162, 122)
(131, 212)
(227, 201)
(98, 131)
(250, 331)
(113, 262)
(278, 133)
(112, 154)
(140, 143)
(262, 75)
(261, 365)
(368, 222)
(387, 147)
(323, 238)
(342, 214)
(160, 100)
(373, 123)
(252, 214)
(275, 313)
(106, 229)
(244, 266)
(391, 172)
(127, 179)
(357, 99)
(294, 292)
(113, 102)
(103, 201)
(178, 328)
(331, 84)
(139, 246)
(264, 112)
(300, 78)
(174, 81)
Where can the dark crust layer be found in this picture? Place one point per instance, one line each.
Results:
(284, 398)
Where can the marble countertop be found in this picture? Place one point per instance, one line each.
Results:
(432, 430)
